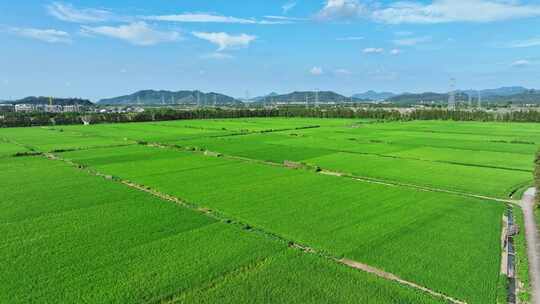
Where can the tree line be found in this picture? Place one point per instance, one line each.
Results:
(47, 119)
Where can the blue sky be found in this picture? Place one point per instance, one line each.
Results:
(96, 49)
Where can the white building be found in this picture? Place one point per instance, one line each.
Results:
(26, 108)
(71, 108)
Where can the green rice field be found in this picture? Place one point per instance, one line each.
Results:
(419, 200)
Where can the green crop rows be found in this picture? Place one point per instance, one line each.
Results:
(81, 238)
(69, 237)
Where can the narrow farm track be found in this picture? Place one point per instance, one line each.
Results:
(392, 277)
(242, 225)
(429, 189)
(533, 242)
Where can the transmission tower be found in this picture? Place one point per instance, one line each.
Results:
(479, 99)
(452, 95)
(316, 98)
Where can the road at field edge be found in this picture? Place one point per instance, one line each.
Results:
(533, 242)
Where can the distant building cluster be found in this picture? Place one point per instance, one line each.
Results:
(40, 108)
(121, 110)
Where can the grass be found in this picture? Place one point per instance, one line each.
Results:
(9, 149)
(70, 237)
(308, 280)
(365, 222)
(445, 242)
(522, 261)
(468, 179)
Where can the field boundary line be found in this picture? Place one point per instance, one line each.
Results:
(392, 277)
(418, 187)
(432, 160)
(250, 228)
(427, 160)
(323, 171)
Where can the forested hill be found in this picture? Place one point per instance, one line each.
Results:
(527, 97)
(428, 97)
(376, 96)
(323, 97)
(55, 101)
(151, 97)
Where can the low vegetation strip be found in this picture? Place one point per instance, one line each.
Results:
(363, 222)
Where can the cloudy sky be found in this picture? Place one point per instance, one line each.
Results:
(97, 48)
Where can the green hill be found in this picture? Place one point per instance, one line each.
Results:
(151, 97)
(55, 101)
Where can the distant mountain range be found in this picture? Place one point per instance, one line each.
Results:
(504, 91)
(55, 101)
(427, 97)
(151, 97)
(323, 97)
(265, 97)
(515, 95)
(374, 96)
(504, 95)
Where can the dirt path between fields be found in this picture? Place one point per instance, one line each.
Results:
(533, 242)
(417, 187)
(392, 277)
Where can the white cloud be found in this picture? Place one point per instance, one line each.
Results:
(373, 50)
(395, 52)
(213, 18)
(351, 38)
(341, 9)
(342, 72)
(525, 43)
(280, 20)
(521, 63)
(444, 11)
(226, 41)
(435, 11)
(46, 35)
(316, 71)
(138, 33)
(217, 56)
(66, 12)
(403, 33)
(200, 18)
(288, 6)
(411, 41)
